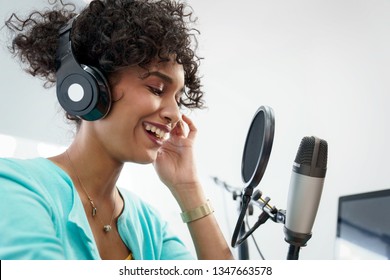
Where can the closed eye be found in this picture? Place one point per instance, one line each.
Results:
(159, 92)
(156, 91)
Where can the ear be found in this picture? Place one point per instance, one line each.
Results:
(116, 92)
(117, 95)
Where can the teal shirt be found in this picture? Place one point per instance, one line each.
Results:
(42, 217)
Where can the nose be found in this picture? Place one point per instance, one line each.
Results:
(170, 111)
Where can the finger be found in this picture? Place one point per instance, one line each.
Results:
(191, 126)
(178, 130)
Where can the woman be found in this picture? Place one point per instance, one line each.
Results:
(68, 206)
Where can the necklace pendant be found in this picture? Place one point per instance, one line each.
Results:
(94, 210)
(107, 228)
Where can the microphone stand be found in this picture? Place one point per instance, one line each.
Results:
(293, 252)
(243, 250)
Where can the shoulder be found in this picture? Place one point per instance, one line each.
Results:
(38, 175)
(13, 168)
(34, 168)
(18, 165)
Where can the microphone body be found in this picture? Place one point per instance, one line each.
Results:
(301, 212)
(306, 184)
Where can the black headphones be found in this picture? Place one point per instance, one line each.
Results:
(82, 90)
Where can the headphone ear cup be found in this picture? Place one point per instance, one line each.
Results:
(83, 92)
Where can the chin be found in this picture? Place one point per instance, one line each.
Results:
(144, 162)
(146, 159)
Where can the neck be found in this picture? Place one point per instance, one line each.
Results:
(93, 166)
(97, 172)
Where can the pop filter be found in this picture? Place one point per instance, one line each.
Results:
(255, 157)
(258, 146)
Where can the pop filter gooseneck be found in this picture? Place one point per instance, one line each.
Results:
(255, 157)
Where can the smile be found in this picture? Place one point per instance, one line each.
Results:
(159, 133)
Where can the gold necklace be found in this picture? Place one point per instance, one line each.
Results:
(106, 227)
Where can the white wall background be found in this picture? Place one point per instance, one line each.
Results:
(322, 66)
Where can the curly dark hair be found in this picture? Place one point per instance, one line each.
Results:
(110, 35)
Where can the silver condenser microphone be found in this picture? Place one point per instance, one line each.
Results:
(306, 184)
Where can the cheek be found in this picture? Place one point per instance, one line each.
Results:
(143, 103)
(127, 115)
(132, 108)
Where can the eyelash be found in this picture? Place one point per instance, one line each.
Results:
(156, 91)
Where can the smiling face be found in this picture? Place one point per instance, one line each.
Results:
(144, 111)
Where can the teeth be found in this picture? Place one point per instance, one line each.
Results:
(158, 132)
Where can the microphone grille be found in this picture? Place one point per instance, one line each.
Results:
(306, 150)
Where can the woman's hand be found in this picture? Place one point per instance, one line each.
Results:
(175, 162)
(175, 166)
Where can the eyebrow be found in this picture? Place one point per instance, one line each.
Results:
(158, 74)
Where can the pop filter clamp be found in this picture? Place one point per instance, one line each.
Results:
(257, 150)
